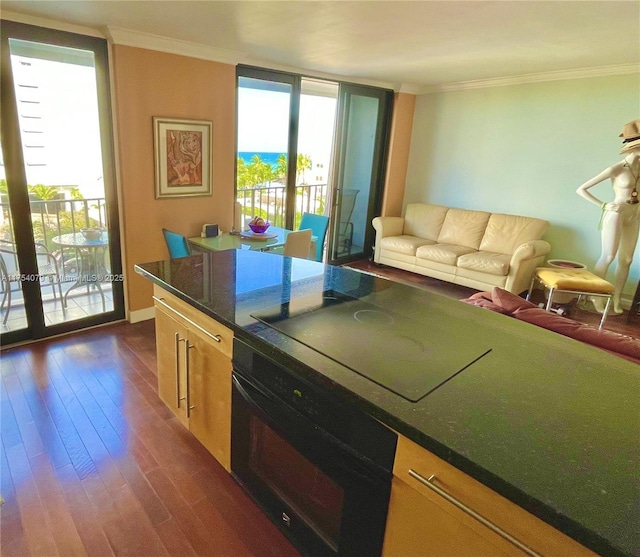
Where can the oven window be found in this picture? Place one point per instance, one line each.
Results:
(301, 485)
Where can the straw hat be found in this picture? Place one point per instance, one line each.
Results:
(631, 136)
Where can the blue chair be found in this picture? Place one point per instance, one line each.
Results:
(177, 245)
(318, 225)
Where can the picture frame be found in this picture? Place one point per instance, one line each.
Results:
(183, 157)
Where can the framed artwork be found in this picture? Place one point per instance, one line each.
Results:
(183, 157)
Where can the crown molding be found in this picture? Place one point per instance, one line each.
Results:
(53, 24)
(600, 71)
(126, 37)
(149, 41)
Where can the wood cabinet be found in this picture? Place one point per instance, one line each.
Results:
(194, 372)
(435, 509)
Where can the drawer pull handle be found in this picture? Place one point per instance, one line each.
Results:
(429, 482)
(188, 346)
(178, 340)
(161, 301)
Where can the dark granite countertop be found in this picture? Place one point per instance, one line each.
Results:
(549, 423)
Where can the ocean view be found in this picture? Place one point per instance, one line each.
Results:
(265, 156)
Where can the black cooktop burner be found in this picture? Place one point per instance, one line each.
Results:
(408, 357)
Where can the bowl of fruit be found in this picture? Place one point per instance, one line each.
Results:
(258, 225)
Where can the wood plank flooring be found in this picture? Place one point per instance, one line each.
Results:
(93, 464)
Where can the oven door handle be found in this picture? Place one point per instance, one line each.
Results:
(357, 463)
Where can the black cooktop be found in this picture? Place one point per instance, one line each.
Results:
(408, 357)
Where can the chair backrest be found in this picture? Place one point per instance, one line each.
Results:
(177, 244)
(4, 275)
(318, 225)
(238, 217)
(10, 256)
(298, 244)
(347, 204)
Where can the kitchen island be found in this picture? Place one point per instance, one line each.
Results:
(546, 422)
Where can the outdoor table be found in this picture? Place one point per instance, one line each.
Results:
(90, 269)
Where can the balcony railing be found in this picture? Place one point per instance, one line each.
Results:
(54, 217)
(268, 202)
(50, 218)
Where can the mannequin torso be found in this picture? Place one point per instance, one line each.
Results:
(620, 219)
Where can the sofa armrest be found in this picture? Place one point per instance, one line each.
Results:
(386, 226)
(523, 263)
(530, 250)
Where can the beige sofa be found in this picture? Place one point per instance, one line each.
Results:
(473, 248)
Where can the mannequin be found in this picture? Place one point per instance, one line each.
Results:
(621, 217)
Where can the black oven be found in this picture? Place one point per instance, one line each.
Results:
(320, 469)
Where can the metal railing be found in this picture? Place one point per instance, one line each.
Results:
(54, 217)
(268, 202)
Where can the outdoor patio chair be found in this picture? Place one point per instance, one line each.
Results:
(345, 228)
(5, 284)
(47, 269)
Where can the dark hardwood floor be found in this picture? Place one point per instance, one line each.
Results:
(93, 463)
(626, 323)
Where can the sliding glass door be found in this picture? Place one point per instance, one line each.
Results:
(312, 146)
(358, 180)
(265, 106)
(59, 242)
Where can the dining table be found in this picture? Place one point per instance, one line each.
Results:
(271, 240)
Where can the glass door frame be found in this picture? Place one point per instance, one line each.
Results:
(294, 81)
(378, 166)
(11, 140)
(379, 161)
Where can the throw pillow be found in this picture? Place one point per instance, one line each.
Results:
(508, 301)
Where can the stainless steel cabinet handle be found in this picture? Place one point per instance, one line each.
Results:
(216, 338)
(188, 346)
(429, 482)
(178, 340)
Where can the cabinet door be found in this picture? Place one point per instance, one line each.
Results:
(417, 526)
(170, 345)
(209, 394)
(452, 496)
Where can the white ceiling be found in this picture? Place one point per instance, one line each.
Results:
(416, 45)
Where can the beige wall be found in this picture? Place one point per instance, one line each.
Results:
(150, 83)
(400, 143)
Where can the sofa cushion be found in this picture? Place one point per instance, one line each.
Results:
(504, 302)
(504, 233)
(442, 253)
(463, 228)
(484, 300)
(424, 220)
(608, 340)
(403, 244)
(486, 262)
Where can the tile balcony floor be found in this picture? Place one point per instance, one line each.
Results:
(81, 303)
